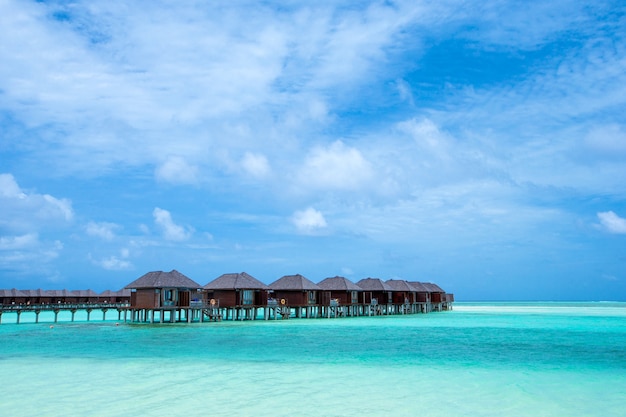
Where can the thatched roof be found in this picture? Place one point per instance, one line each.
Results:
(420, 287)
(338, 284)
(12, 293)
(373, 284)
(58, 293)
(433, 287)
(121, 293)
(36, 293)
(240, 281)
(294, 283)
(400, 285)
(84, 293)
(160, 279)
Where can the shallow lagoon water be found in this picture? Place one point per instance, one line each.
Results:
(482, 359)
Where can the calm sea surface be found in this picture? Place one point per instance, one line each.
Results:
(482, 359)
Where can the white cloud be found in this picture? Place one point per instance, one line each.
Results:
(404, 90)
(609, 139)
(171, 231)
(337, 166)
(428, 137)
(612, 223)
(103, 230)
(113, 262)
(18, 242)
(9, 188)
(309, 221)
(177, 170)
(24, 211)
(255, 164)
(27, 252)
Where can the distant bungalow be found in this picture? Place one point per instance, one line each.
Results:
(377, 294)
(168, 293)
(341, 296)
(239, 293)
(159, 296)
(297, 292)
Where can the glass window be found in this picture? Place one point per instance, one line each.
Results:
(248, 297)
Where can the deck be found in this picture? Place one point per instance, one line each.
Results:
(207, 312)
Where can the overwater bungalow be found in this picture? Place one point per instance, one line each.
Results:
(84, 296)
(437, 295)
(171, 296)
(404, 296)
(377, 294)
(297, 292)
(12, 297)
(59, 296)
(37, 296)
(237, 293)
(339, 296)
(164, 293)
(114, 297)
(422, 296)
(423, 293)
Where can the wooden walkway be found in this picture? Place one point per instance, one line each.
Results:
(200, 312)
(206, 312)
(37, 309)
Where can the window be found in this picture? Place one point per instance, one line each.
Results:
(247, 297)
(169, 297)
(354, 297)
(311, 297)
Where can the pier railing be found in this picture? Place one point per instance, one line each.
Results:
(60, 306)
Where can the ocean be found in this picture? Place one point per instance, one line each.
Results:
(481, 359)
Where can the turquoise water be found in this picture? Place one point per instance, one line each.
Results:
(482, 359)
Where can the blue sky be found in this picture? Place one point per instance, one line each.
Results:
(478, 146)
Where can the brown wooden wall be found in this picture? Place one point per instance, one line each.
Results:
(422, 297)
(344, 297)
(226, 298)
(437, 297)
(293, 298)
(145, 298)
(184, 298)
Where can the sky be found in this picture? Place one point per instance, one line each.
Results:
(477, 145)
